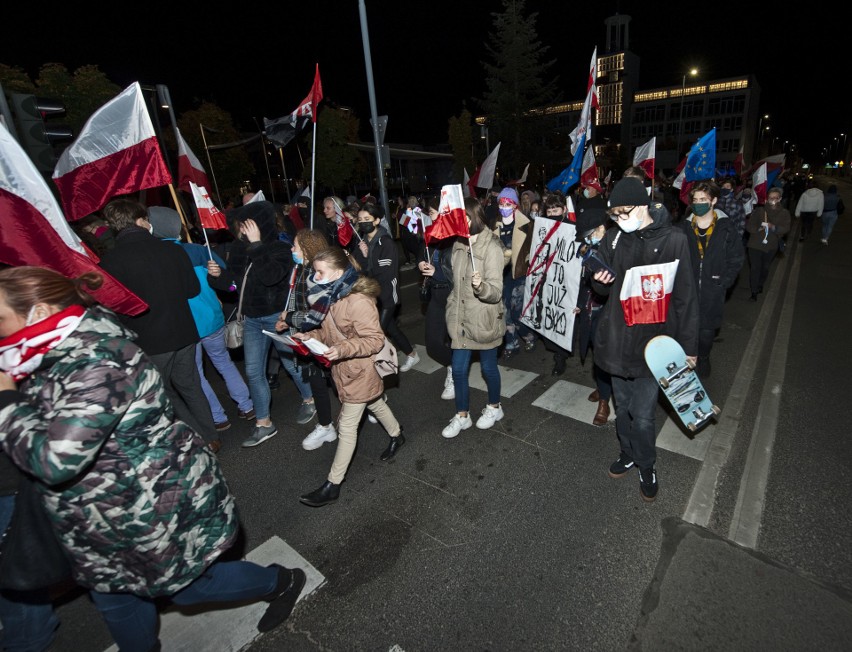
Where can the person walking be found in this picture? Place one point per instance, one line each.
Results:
(378, 256)
(305, 311)
(475, 318)
(645, 243)
(139, 502)
(832, 209)
(809, 208)
(266, 265)
(436, 268)
(716, 256)
(353, 333)
(766, 226)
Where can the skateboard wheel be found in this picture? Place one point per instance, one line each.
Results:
(690, 364)
(664, 383)
(692, 427)
(716, 410)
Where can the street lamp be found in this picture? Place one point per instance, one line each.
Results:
(692, 72)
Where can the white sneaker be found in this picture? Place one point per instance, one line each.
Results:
(490, 416)
(412, 360)
(457, 424)
(371, 418)
(319, 436)
(449, 392)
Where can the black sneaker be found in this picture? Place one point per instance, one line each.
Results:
(648, 486)
(621, 466)
(283, 598)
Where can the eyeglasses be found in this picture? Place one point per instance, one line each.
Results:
(615, 217)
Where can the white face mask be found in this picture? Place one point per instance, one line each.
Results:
(150, 229)
(508, 220)
(630, 224)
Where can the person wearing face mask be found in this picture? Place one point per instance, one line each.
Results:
(353, 333)
(717, 257)
(162, 275)
(591, 227)
(766, 226)
(645, 236)
(517, 334)
(732, 205)
(378, 256)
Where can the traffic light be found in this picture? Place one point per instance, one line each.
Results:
(36, 134)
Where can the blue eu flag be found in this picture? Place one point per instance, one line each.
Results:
(701, 161)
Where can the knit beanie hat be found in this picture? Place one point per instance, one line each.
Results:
(166, 222)
(589, 219)
(508, 193)
(629, 191)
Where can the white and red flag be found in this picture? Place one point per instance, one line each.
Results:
(760, 183)
(681, 183)
(34, 232)
(466, 187)
(451, 219)
(190, 169)
(589, 171)
(484, 175)
(116, 153)
(344, 226)
(584, 124)
(645, 157)
(209, 216)
(646, 293)
(593, 75)
(523, 178)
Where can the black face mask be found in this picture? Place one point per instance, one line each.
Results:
(366, 228)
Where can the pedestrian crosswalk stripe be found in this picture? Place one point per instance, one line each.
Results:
(570, 400)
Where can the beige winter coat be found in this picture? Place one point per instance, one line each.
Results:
(359, 336)
(476, 318)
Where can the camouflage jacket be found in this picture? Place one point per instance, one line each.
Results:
(139, 503)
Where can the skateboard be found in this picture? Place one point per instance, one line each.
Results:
(679, 382)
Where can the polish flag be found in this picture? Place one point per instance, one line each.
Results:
(681, 183)
(646, 293)
(344, 227)
(760, 183)
(451, 219)
(34, 232)
(209, 216)
(645, 156)
(116, 153)
(190, 169)
(484, 175)
(523, 179)
(466, 185)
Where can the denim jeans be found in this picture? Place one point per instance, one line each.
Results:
(29, 622)
(214, 346)
(635, 414)
(132, 620)
(255, 351)
(461, 371)
(513, 304)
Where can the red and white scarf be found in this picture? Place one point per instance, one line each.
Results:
(22, 352)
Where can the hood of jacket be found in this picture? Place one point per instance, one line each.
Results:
(263, 213)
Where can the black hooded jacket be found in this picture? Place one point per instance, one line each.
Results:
(268, 281)
(619, 348)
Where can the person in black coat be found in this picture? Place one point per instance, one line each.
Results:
(162, 276)
(662, 300)
(716, 255)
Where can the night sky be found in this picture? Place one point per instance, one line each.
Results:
(257, 59)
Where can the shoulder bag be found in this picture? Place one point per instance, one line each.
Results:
(31, 556)
(386, 360)
(235, 323)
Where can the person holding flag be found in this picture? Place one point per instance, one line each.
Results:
(475, 316)
(652, 292)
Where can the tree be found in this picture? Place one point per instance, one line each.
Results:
(82, 93)
(338, 163)
(514, 86)
(460, 135)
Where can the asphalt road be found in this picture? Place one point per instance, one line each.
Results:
(515, 538)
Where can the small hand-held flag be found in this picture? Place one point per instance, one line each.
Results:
(483, 177)
(116, 153)
(344, 227)
(645, 157)
(451, 219)
(190, 169)
(281, 131)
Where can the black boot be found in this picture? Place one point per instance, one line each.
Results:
(394, 445)
(273, 381)
(326, 494)
(558, 365)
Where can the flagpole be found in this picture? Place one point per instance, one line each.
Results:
(180, 212)
(284, 170)
(313, 170)
(265, 159)
(210, 163)
(207, 243)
